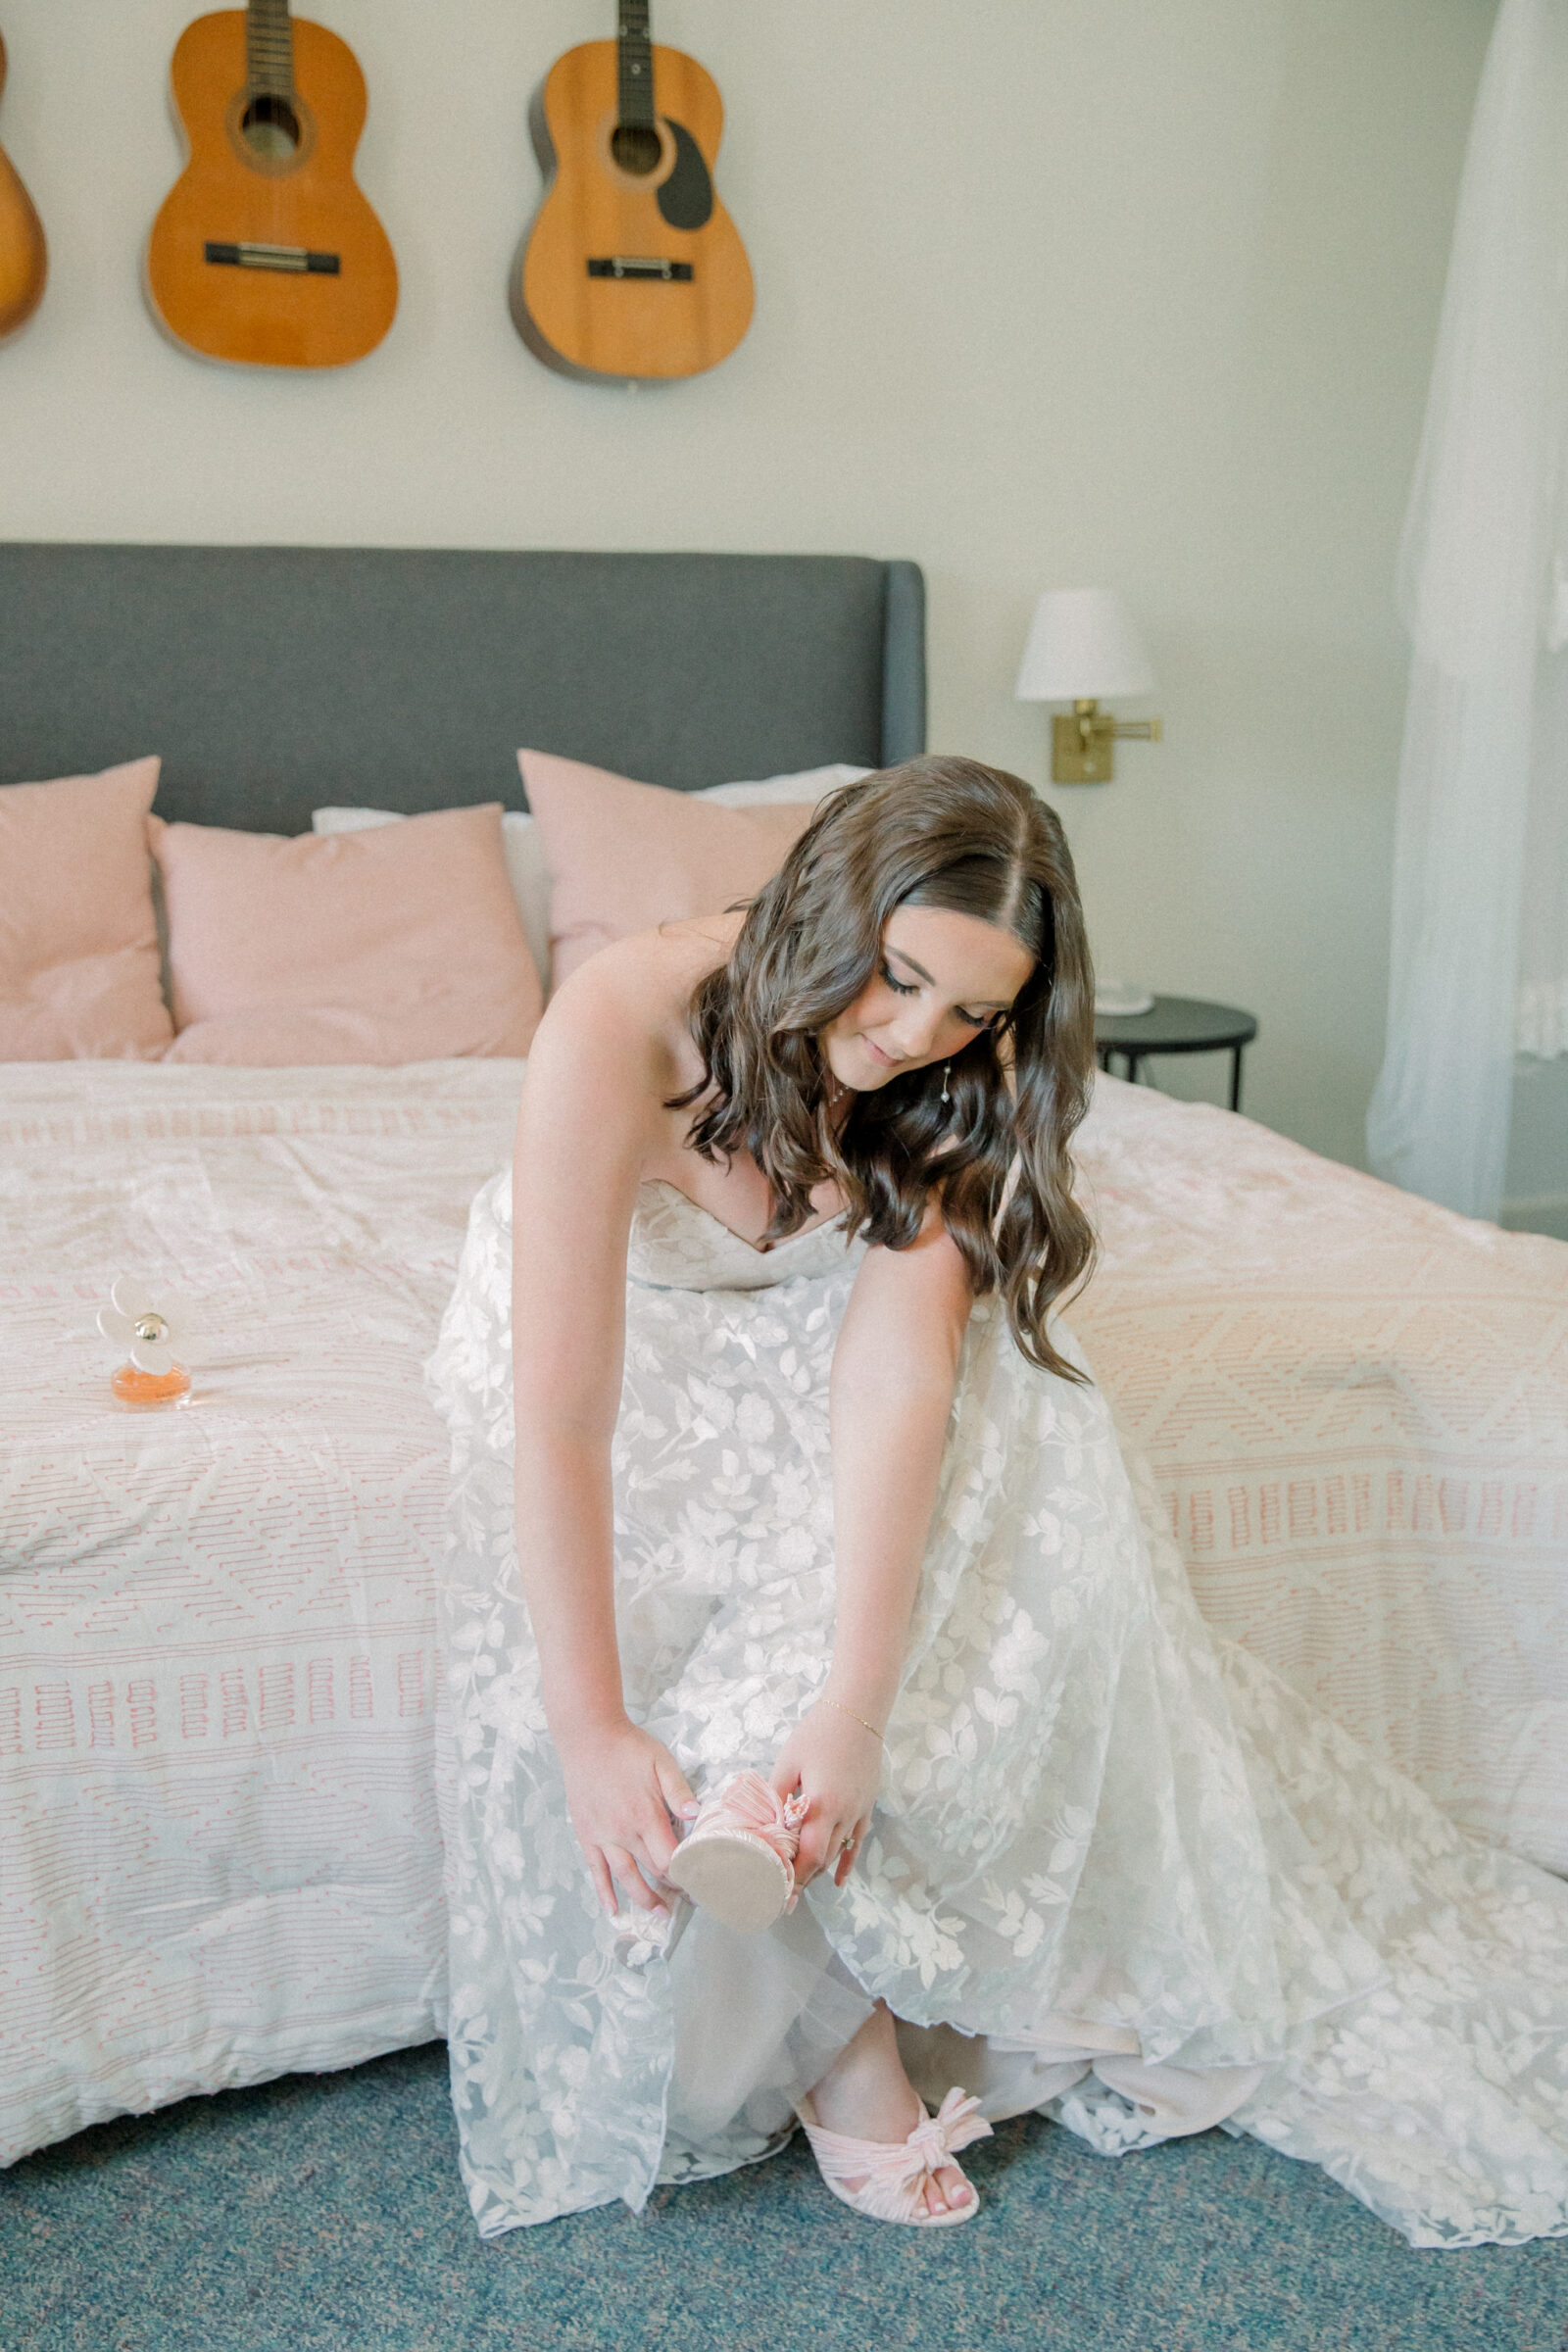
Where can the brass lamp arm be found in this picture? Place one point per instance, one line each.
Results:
(1081, 746)
(1092, 721)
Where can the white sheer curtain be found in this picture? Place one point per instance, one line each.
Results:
(1480, 946)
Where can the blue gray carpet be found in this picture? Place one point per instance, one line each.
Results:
(322, 2214)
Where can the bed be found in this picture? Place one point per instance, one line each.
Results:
(218, 1706)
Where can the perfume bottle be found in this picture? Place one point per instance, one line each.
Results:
(153, 1375)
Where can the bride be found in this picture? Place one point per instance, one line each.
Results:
(792, 1555)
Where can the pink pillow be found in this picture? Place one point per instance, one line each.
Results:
(397, 945)
(78, 940)
(624, 856)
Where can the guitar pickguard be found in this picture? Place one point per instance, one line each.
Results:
(686, 197)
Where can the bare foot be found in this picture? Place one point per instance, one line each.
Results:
(867, 2095)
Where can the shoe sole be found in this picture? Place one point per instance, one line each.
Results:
(737, 1879)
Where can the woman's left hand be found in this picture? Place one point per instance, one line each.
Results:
(835, 1762)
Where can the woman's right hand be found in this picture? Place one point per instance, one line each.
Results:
(623, 1787)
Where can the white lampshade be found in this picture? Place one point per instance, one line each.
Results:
(1082, 647)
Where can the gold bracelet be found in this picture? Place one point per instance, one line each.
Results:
(853, 1718)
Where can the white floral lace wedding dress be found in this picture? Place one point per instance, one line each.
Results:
(1116, 1870)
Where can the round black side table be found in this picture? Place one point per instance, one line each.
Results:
(1176, 1025)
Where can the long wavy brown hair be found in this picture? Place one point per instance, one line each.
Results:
(933, 832)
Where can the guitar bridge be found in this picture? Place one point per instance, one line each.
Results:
(641, 265)
(298, 259)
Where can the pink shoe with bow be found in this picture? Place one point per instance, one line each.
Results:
(894, 2175)
(737, 1859)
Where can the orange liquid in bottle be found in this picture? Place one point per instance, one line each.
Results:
(150, 1388)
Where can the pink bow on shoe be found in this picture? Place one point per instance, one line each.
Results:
(891, 2175)
(756, 1806)
(956, 2125)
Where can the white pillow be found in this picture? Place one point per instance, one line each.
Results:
(809, 785)
(520, 838)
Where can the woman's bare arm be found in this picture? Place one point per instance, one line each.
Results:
(894, 1370)
(590, 1106)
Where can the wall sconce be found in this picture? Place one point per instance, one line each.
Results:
(1082, 645)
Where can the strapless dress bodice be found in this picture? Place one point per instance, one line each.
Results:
(676, 1246)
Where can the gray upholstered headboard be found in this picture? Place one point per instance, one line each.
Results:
(275, 678)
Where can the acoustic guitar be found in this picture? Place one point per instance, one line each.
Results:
(265, 252)
(632, 267)
(23, 256)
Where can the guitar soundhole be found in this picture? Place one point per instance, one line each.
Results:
(271, 129)
(636, 148)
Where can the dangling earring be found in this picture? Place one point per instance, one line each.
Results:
(946, 1069)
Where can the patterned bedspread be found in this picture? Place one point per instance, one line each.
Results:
(1357, 1406)
(218, 1854)
(220, 1858)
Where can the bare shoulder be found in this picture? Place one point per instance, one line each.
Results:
(620, 1023)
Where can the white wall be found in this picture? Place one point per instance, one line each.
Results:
(1051, 292)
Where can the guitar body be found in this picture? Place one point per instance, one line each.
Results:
(23, 256)
(335, 301)
(585, 321)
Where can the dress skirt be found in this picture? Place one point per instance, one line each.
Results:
(1118, 1869)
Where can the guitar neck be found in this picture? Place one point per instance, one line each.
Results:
(635, 64)
(269, 47)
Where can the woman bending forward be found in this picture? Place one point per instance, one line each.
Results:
(772, 1458)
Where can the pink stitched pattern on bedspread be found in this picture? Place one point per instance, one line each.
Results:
(1357, 1406)
(219, 1857)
